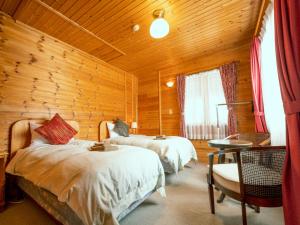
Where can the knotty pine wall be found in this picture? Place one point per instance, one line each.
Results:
(148, 104)
(158, 106)
(40, 76)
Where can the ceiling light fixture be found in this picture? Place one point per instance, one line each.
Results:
(159, 27)
(170, 83)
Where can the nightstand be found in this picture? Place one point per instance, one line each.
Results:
(3, 156)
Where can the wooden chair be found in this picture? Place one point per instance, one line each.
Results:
(258, 139)
(255, 179)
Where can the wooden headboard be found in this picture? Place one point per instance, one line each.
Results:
(21, 136)
(103, 131)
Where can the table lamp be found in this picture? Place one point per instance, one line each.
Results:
(134, 126)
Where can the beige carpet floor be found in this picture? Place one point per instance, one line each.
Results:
(186, 204)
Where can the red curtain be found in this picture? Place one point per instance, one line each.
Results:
(287, 38)
(229, 79)
(181, 101)
(260, 122)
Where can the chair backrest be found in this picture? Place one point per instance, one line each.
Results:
(258, 139)
(261, 171)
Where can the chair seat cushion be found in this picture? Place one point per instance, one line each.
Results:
(228, 171)
(227, 175)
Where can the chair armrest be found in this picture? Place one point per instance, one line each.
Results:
(232, 136)
(267, 148)
(265, 142)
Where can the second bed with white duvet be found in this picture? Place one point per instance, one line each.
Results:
(175, 152)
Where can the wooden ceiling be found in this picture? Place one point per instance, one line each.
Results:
(103, 27)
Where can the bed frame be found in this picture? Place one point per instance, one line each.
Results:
(103, 131)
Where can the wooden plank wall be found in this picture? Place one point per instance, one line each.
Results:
(40, 76)
(149, 95)
(148, 104)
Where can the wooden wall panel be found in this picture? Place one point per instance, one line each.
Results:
(148, 104)
(135, 89)
(131, 97)
(170, 116)
(40, 76)
(203, 149)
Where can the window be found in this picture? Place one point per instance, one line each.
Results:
(203, 92)
(273, 106)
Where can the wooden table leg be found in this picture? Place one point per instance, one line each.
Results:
(221, 157)
(221, 198)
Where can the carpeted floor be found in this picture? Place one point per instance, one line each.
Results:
(186, 204)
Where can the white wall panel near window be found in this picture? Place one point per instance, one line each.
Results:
(273, 106)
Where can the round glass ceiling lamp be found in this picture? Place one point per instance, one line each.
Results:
(159, 27)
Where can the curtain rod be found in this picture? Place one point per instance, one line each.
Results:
(263, 7)
(237, 103)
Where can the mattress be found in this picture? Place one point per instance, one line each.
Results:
(59, 210)
(48, 201)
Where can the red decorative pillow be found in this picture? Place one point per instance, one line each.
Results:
(57, 131)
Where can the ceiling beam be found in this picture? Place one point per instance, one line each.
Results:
(78, 25)
(17, 8)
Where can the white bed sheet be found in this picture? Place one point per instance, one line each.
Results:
(97, 186)
(175, 151)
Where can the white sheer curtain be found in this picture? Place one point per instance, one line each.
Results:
(203, 91)
(273, 106)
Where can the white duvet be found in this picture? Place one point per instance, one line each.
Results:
(97, 186)
(175, 151)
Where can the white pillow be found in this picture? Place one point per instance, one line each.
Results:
(36, 138)
(110, 127)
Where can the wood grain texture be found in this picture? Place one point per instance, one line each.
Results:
(40, 76)
(148, 104)
(103, 130)
(104, 28)
(170, 116)
(3, 157)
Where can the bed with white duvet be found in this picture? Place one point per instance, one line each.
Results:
(175, 152)
(97, 186)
